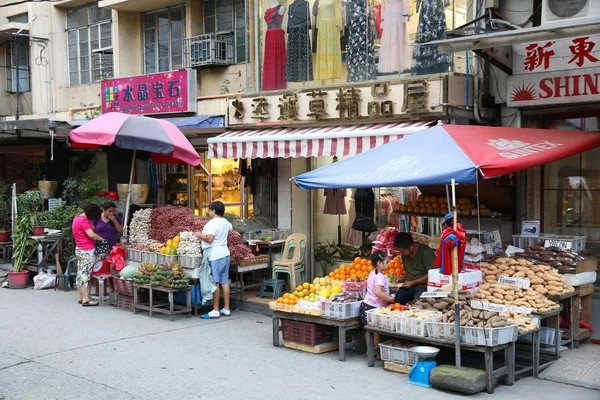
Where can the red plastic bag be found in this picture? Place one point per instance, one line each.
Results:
(117, 257)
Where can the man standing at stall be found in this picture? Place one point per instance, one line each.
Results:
(418, 260)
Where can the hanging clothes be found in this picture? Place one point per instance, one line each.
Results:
(377, 14)
(329, 54)
(394, 52)
(432, 26)
(335, 202)
(274, 55)
(361, 45)
(365, 211)
(353, 236)
(299, 58)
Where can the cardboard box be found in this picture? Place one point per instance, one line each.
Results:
(469, 280)
(580, 279)
(589, 264)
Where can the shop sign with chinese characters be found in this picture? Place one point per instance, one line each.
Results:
(162, 93)
(349, 103)
(555, 72)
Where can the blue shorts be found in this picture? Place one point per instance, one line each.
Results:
(220, 270)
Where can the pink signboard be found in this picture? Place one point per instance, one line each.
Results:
(163, 93)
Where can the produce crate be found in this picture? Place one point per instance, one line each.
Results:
(163, 259)
(254, 261)
(341, 310)
(134, 255)
(524, 242)
(577, 242)
(440, 330)
(304, 333)
(381, 321)
(396, 354)
(125, 303)
(149, 256)
(273, 305)
(190, 262)
(489, 336)
(414, 326)
(547, 336)
(123, 286)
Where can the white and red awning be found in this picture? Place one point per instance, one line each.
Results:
(309, 142)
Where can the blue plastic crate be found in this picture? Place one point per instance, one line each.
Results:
(196, 296)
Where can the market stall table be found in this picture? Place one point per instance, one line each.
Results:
(537, 367)
(241, 268)
(269, 246)
(573, 317)
(343, 326)
(45, 252)
(172, 310)
(491, 374)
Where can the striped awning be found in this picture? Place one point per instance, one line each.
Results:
(309, 142)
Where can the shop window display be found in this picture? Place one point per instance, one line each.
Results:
(308, 43)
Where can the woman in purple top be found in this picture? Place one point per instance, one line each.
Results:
(110, 226)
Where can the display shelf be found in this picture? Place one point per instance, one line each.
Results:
(503, 218)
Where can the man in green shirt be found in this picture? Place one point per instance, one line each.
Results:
(418, 260)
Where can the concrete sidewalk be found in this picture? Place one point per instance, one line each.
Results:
(53, 348)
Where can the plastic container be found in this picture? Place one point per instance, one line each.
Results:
(473, 335)
(304, 333)
(440, 330)
(577, 242)
(134, 255)
(163, 259)
(386, 322)
(547, 336)
(340, 310)
(190, 262)
(497, 336)
(125, 303)
(414, 326)
(398, 355)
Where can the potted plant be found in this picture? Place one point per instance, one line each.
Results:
(46, 187)
(30, 202)
(17, 278)
(5, 213)
(31, 173)
(325, 254)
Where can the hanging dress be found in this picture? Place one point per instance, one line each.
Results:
(394, 54)
(299, 58)
(432, 26)
(329, 54)
(377, 12)
(361, 46)
(274, 56)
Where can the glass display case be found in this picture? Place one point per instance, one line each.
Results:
(176, 189)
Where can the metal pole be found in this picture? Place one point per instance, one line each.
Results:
(125, 226)
(17, 67)
(455, 282)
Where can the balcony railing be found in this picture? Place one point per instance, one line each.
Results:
(211, 49)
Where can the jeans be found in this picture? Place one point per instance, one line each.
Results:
(404, 295)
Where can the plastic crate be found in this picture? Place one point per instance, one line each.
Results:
(440, 330)
(577, 242)
(163, 259)
(341, 310)
(473, 335)
(547, 336)
(149, 256)
(524, 242)
(396, 354)
(497, 336)
(304, 333)
(123, 286)
(190, 262)
(385, 322)
(134, 255)
(125, 303)
(414, 326)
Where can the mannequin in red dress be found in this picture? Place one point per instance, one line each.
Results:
(274, 54)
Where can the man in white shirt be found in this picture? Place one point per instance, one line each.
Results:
(214, 236)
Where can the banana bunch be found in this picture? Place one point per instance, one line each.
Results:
(176, 269)
(147, 268)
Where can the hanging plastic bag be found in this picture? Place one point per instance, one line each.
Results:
(44, 280)
(117, 257)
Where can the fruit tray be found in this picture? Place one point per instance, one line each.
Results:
(341, 310)
(395, 354)
(414, 326)
(273, 305)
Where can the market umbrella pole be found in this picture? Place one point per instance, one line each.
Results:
(455, 281)
(126, 225)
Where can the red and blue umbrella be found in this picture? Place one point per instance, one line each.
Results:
(437, 155)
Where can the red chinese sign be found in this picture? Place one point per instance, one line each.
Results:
(162, 93)
(557, 55)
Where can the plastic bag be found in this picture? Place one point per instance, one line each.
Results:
(117, 257)
(44, 280)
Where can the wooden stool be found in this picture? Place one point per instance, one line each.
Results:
(6, 249)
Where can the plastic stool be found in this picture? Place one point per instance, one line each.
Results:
(70, 272)
(292, 277)
(277, 286)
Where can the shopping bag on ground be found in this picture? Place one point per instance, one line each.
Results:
(44, 280)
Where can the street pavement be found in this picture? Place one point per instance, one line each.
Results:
(52, 348)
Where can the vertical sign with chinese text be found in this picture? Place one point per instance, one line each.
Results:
(162, 93)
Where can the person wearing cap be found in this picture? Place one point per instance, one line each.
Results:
(418, 259)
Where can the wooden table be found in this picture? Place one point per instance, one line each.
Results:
(573, 317)
(554, 315)
(491, 374)
(45, 252)
(239, 271)
(343, 326)
(172, 310)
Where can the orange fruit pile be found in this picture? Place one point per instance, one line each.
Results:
(288, 299)
(396, 307)
(357, 270)
(395, 267)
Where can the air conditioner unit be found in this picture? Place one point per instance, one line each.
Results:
(557, 12)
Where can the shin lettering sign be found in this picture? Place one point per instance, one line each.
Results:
(578, 85)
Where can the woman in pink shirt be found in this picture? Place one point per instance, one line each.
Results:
(378, 291)
(85, 245)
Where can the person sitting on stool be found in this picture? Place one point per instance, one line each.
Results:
(418, 259)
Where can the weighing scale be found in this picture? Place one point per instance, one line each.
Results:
(419, 373)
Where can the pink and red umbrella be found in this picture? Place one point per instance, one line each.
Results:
(163, 140)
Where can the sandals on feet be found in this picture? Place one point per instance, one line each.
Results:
(90, 303)
(80, 301)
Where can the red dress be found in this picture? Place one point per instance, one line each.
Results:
(274, 55)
